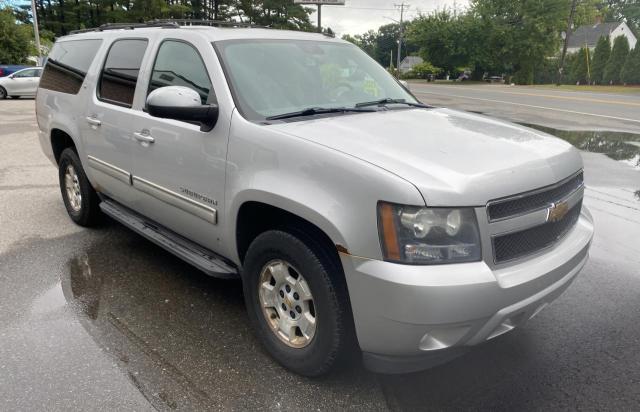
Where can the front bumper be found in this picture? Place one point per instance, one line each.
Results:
(409, 318)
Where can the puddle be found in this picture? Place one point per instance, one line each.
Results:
(183, 338)
(623, 147)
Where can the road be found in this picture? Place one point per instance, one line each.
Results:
(559, 109)
(101, 319)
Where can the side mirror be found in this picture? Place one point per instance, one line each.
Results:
(182, 103)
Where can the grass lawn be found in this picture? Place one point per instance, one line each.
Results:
(601, 89)
(565, 87)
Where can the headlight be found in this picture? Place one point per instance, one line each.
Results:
(428, 236)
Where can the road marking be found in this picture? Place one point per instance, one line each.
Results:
(535, 107)
(551, 96)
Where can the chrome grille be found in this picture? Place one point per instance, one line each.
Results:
(528, 202)
(518, 244)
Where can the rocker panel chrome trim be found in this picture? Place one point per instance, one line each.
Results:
(205, 213)
(109, 169)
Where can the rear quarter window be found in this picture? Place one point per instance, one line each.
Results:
(67, 65)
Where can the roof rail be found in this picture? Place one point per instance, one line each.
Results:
(212, 23)
(168, 23)
(127, 26)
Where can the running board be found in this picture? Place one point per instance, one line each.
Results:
(203, 259)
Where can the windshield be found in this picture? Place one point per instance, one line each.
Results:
(273, 77)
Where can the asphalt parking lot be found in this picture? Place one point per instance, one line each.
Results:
(101, 319)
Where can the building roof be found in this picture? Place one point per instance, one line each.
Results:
(411, 61)
(591, 34)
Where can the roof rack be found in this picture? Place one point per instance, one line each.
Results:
(212, 23)
(127, 26)
(168, 23)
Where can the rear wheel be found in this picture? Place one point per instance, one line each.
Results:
(297, 302)
(3, 93)
(78, 195)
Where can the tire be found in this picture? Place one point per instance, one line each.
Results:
(83, 210)
(331, 308)
(3, 93)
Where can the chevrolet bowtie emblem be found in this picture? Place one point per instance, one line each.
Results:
(557, 211)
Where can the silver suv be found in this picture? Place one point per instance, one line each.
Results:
(358, 219)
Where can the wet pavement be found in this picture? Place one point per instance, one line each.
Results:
(101, 319)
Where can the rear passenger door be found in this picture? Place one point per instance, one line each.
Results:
(107, 122)
(180, 174)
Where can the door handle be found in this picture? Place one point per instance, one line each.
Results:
(93, 121)
(144, 137)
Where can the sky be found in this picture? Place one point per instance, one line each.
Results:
(359, 16)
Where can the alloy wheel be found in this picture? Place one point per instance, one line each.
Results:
(287, 303)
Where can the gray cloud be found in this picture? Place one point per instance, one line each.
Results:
(359, 16)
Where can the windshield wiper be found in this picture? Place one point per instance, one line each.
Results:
(319, 110)
(389, 100)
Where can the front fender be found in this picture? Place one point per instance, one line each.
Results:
(335, 191)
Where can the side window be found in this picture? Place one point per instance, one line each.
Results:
(179, 64)
(67, 65)
(27, 73)
(119, 75)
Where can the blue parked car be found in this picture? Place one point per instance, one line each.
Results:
(7, 69)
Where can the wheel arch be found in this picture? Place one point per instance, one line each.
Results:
(254, 217)
(60, 140)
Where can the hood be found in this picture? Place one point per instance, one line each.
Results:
(453, 158)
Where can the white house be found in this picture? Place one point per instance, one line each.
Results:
(408, 62)
(589, 35)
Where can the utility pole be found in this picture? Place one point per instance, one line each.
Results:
(35, 30)
(402, 6)
(566, 41)
(319, 18)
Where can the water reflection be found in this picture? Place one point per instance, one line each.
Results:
(183, 338)
(616, 145)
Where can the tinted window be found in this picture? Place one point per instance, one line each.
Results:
(67, 65)
(179, 64)
(120, 72)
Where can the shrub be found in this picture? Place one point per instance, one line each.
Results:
(600, 57)
(631, 70)
(616, 61)
(423, 71)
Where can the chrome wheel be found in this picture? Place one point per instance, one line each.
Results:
(287, 303)
(72, 186)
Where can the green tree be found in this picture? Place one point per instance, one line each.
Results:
(578, 68)
(422, 71)
(518, 34)
(443, 38)
(280, 14)
(631, 70)
(15, 39)
(600, 57)
(628, 10)
(616, 60)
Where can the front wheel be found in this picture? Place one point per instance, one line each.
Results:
(78, 195)
(3, 93)
(297, 302)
